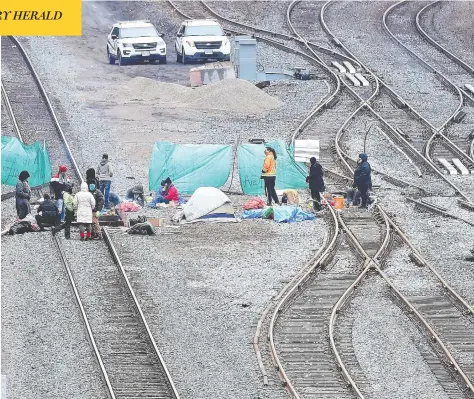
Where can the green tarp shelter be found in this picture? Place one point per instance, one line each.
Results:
(17, 157)
(190, 166)
(290, 174)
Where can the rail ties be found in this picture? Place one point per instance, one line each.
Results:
(455, 328)
(133, 367)
(302, 331)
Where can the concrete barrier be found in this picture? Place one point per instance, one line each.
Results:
(211, 73)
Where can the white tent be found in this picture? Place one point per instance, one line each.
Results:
(209, 204)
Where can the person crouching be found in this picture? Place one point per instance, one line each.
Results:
(84, 202)
(69, 215)
(49, 213)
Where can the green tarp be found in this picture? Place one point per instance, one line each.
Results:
(17, 157)
(290, 174)
(190, 165)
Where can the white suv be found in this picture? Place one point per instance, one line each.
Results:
(201, 39)
(134, 41)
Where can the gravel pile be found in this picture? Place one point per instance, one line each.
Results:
(45, 351)
(446, 22)
(387, 58)
(388, 347)
(204, 312)
(230, 95)
(128, 133)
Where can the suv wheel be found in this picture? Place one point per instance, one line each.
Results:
(179, 57)
(183, 56)
(163, 60)
(121, 60)
(110, 56)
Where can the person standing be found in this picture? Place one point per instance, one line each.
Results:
(69, 212)
(316, 182)
(22, 195)
(84, 202)
(99, 204)
(104, 173)
(49, 213)
(91, 178)
(56, 187)
(269, 175)
(363, 179)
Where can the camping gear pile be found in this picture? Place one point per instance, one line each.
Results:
(254, 203)
(128, 206)
(280, 214)
(141, 226)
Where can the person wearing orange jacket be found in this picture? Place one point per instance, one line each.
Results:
(269, 175)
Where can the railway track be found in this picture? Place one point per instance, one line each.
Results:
(399, 137)
(130, 361)
(308, 309)
(452, 75)
(28, 99)
(126, 352)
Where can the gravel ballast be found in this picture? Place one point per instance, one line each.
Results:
(45, 350)
(387, 58)
(202, 309)
(388, 347)
(444, 243)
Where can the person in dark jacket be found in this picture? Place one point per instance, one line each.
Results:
(22, 194)
(316, 182)
(69, 217)
(99, 205)
(136, 194)
(49, 213)
(56, 187)
(362, 179)
(91, 177)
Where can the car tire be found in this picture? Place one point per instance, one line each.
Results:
(110, 57)
(121, 60)
(183, 56)
(178, 56)
(163, 60)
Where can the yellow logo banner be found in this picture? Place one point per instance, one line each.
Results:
(41, 18)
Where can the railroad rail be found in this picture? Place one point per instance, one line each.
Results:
(128, 356)
(307, 311)
(452, 87)
(325, 103)
(395, 134)
(469, 69)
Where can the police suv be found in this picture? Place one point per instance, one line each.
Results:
(135, 41)
(202, 40)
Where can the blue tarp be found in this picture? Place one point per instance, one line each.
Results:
(281, 214)
(190, 166)
(290, 174)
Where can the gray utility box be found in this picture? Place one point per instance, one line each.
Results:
(245, 57)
